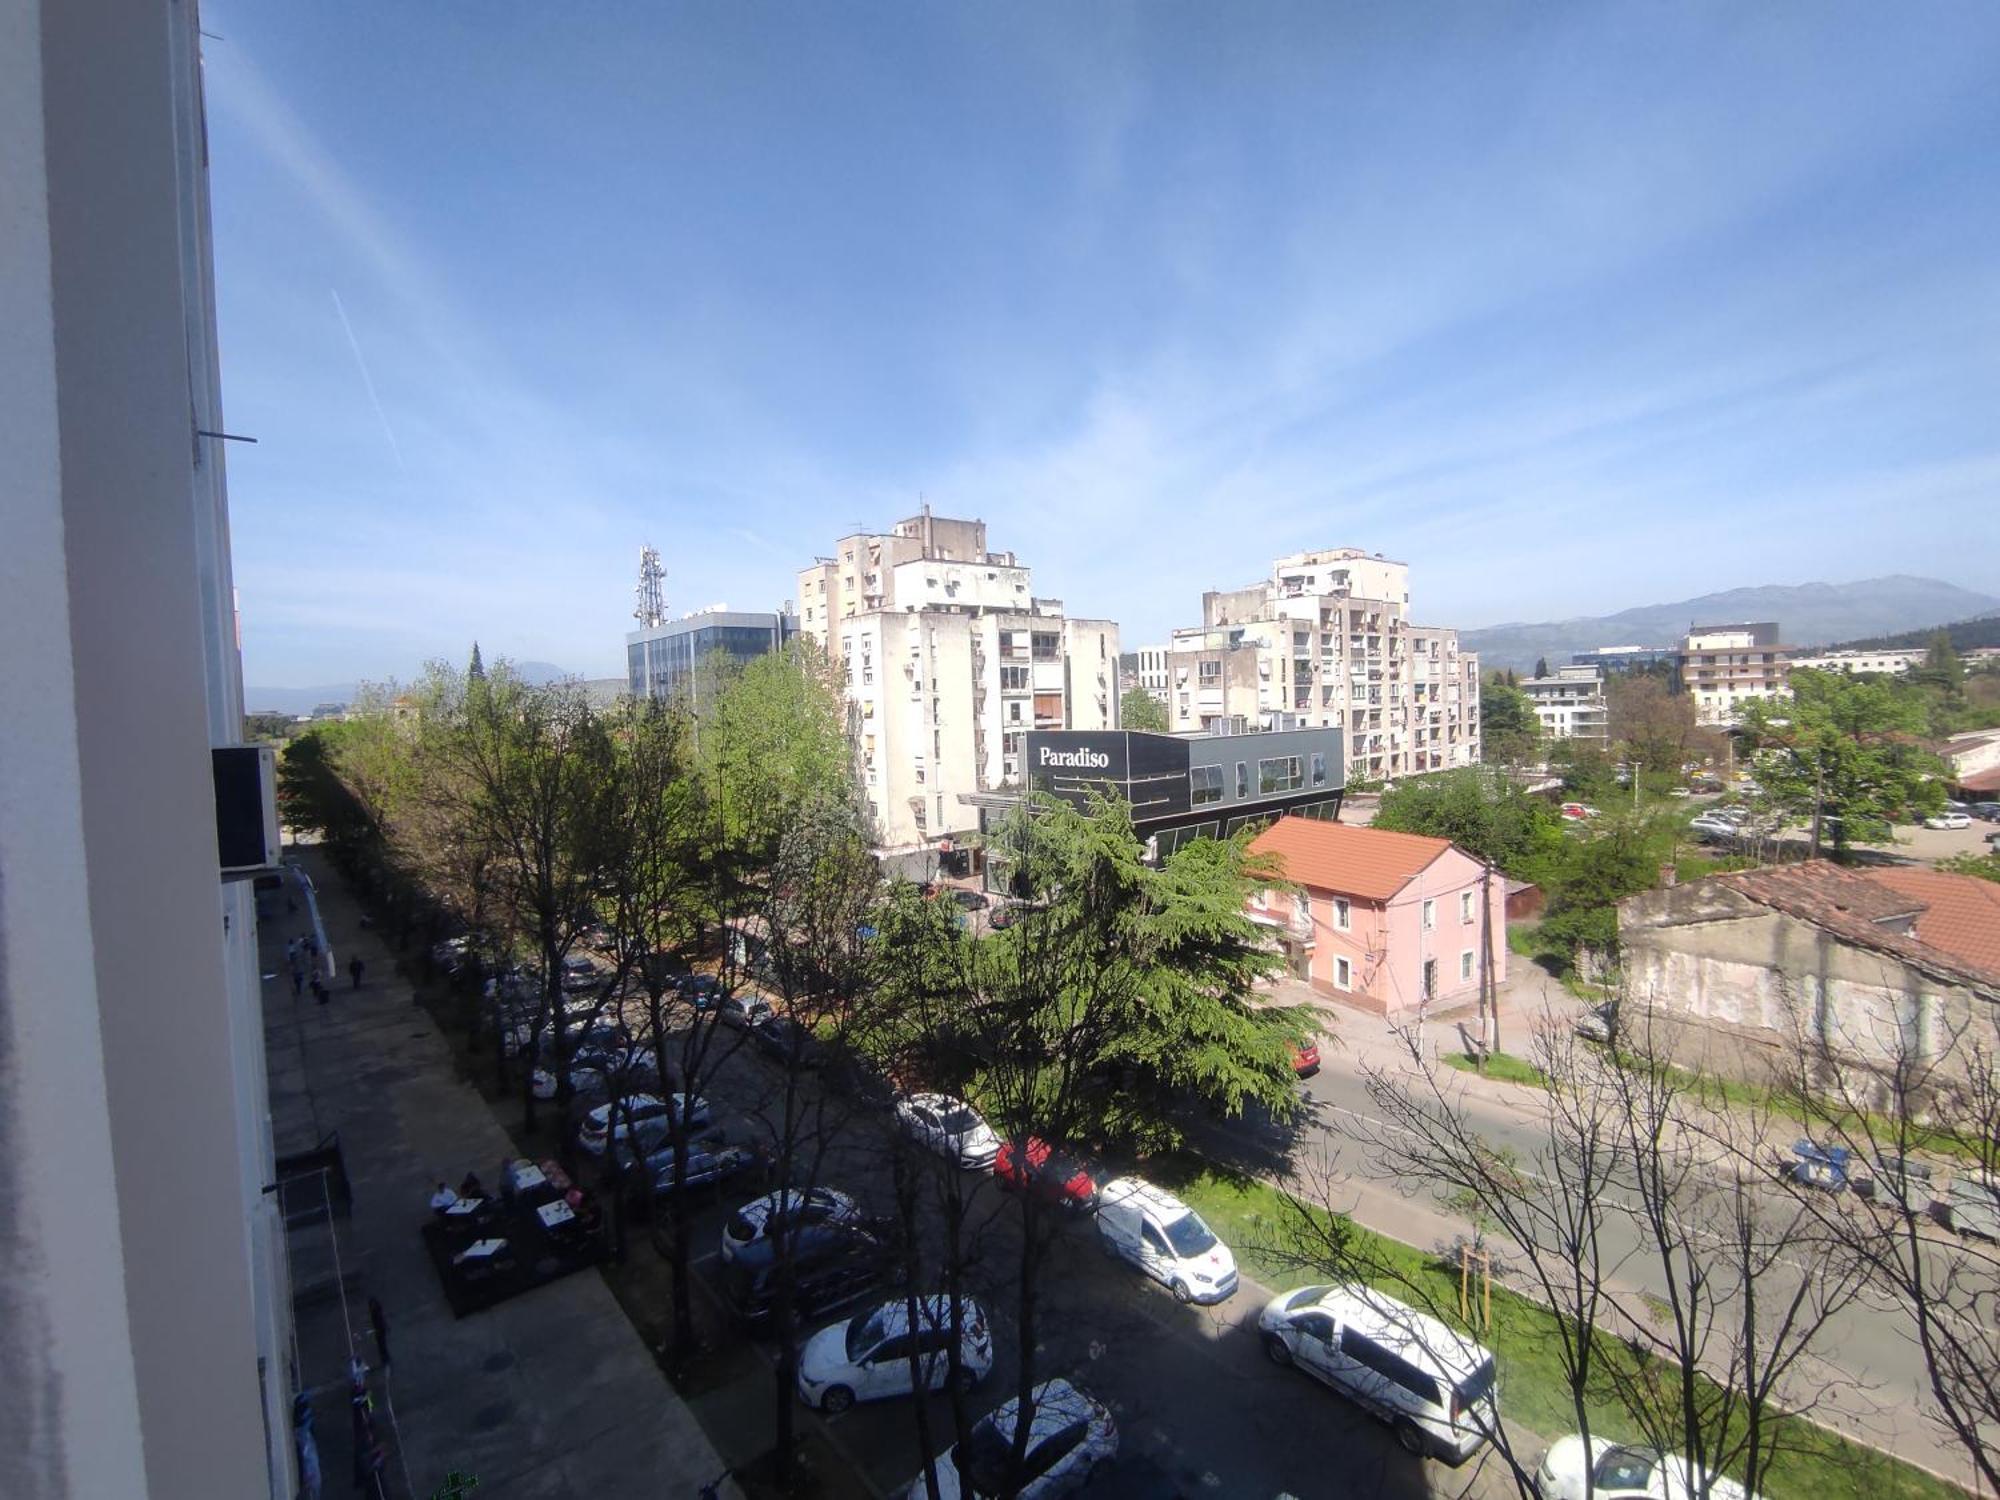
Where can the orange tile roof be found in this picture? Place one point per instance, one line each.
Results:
(1371, 863)
(1961, 913)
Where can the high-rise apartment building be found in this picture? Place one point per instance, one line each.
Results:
(147, 1336)
(1725, 666)
(1326, 642)
(950, 661)
(1145, 668)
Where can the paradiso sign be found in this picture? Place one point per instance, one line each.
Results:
(1048, 758)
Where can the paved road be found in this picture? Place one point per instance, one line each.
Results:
(1190, 1388)
(1868, 1374)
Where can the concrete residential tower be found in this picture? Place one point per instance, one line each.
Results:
(1326, 642)
(147, 1331)
(950, 661)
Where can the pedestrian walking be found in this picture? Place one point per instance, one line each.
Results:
(298, 981)
(292, 952)
(320, 992)
(379, 1321)
(354, 968)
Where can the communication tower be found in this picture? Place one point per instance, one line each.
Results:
(652, 610)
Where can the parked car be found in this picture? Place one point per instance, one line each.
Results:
(593, 1070)
(1000, 914)
(950, 1127)
(1053, 1176)
(644, 1117)
(1599, 1024)
(1436, 1389)
(868, 1357)
(710, 1159)
(966, 900)
(578, 974)
(1148, 1227)
(1714, 826)
(1989, 811)
(786, 1040)
(788, 1207)
(1621, 1472)
(1305, 1060)
(744, 1010)
(1069, 1437)
(833, 1265)
(1948, 820)
(703, 991)
(1577, 811)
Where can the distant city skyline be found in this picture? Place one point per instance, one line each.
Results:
(1572, 310)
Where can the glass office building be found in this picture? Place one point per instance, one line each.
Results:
(661, 662)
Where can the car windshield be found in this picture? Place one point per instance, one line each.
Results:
(959, 1120)
(982, 1459)
(864, 1334)
(1625, 1469)
(1476, 1387)
(1190, 1237)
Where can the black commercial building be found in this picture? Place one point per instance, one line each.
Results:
(1193, 786)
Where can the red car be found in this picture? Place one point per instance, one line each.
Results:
(1054, 1176)
(1305, 1062)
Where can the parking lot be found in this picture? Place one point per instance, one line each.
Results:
(1198, 1405)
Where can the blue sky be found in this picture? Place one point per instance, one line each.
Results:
(1571, 307)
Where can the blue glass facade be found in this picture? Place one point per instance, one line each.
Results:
(661, 663)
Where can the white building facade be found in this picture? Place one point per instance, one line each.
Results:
(1147, 671)
(1856, 663)
(1725, 666)
(950, 661)
(1327, 642)
(147, 1336)
(1570, 703)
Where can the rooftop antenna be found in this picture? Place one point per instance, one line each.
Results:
(652, 610)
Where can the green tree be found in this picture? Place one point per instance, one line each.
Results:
(1941, 668)
(1846, 755)
(1483, 811)
(1980, 866)
(1140, 710)
(1509, 731)
(1541, 666)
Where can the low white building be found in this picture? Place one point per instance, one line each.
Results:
(1570, 704)
(950, 661)
(1857, 663)
(1146, 669)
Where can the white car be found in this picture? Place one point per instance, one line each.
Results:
(1948, 820)
(1150, 1228)
(1070, 1437)
(950, 1127)
(867, 1358)
(762, 1216)
(1436, 1389)
(1624, 1473)
(745, 1011)
(1715, 826)
(647, 1115)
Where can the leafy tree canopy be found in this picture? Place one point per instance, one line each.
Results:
(1140, 710)
(1483, 811)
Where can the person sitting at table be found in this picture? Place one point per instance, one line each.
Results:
(443, 1198)
(471, 1188)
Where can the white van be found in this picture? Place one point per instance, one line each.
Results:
(1436, 1388)
(1151, 1228)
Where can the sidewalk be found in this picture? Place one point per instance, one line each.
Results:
(551, 1394)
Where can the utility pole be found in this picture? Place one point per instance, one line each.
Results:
(1489, 996)
(1819, 797)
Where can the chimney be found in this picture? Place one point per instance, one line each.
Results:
(1669, 877)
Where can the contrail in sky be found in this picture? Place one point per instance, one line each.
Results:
(368, 380)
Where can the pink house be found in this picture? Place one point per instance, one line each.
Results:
(1390, 921)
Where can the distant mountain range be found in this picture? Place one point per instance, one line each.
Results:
(1808, 614)
(1979, 632)
(303, 700)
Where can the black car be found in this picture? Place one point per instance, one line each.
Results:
(703, 991)
(785, 1039)
(833, 1264)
